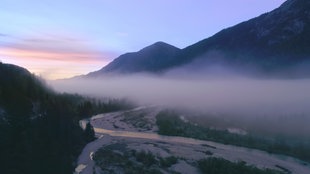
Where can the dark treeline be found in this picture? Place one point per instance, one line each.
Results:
(39, 130)
(222, 166)
(170, 123)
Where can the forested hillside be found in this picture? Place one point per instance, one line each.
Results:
(39, 128)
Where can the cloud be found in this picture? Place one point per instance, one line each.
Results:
(54, 56)
(57, 44)
(254, 103)
(218, 94)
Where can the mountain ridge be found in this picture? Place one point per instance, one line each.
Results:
(151, 58)
(271, 43)
(249, 40)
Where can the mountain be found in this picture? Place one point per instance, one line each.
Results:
(274, 42)
(38, 134)
(270, 42)
(39, 128)
(153, 58)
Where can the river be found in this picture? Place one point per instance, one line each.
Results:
(234, 153)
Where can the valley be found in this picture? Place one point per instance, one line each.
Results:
(159, 87)
(121, 132)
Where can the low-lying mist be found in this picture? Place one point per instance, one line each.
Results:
(258, 100)
(218, 95)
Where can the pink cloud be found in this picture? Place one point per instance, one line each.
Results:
(55, 56)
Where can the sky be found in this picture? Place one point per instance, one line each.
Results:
(58, 39)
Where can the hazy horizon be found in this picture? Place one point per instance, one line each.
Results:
(85, 36)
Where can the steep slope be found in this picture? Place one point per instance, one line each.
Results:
(153, 58)
(273, 43)
(39, 129)
(270, 42)
(38, 134)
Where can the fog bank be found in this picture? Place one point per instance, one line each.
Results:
(237, 95)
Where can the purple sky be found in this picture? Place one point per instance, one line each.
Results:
(63, 38)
